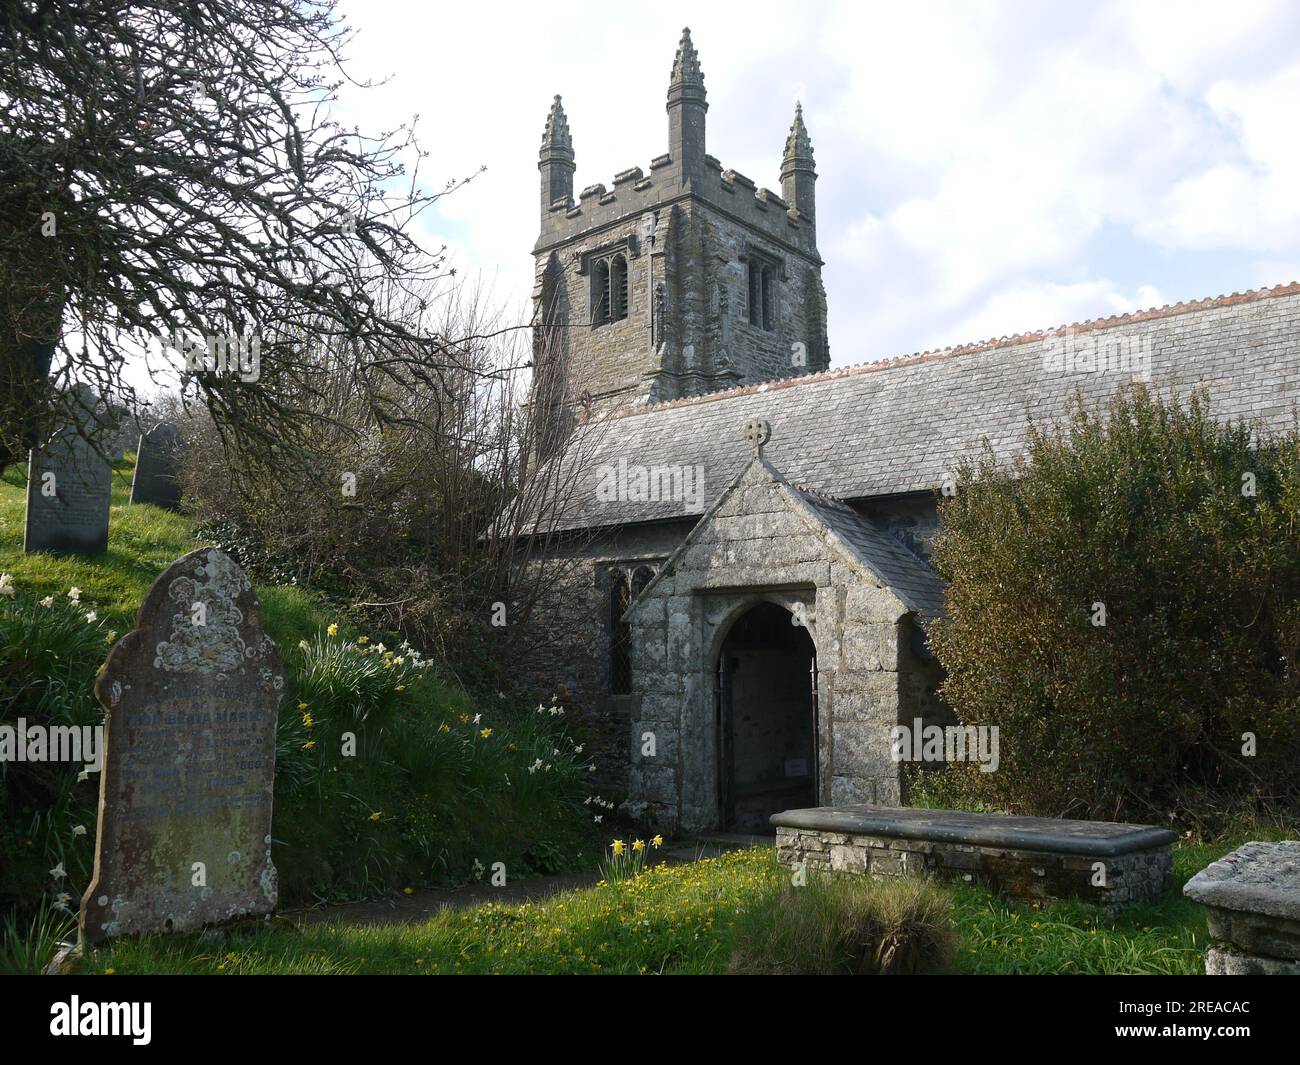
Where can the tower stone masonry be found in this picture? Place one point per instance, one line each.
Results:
(678, 280)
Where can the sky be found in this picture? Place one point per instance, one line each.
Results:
(984, 168)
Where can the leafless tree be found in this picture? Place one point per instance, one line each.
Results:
(171, 169)
(432, 521)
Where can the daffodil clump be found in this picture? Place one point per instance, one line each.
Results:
(394, 778)
(625, 861)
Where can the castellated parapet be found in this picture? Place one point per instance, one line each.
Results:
(678, 279)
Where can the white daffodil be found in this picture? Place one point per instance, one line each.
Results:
(74, 593)
(58, 872)
(48, 601)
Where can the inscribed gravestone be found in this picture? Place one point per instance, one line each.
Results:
(69, 489)
(191, 693)
(155, 478)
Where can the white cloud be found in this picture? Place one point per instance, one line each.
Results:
(983, 169)
(1028, 306)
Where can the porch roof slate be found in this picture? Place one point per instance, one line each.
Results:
(910, 578)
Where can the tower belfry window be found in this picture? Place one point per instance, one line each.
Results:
(609, 290)
(762, 277)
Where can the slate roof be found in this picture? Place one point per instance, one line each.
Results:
(896, 427)
(899, 570)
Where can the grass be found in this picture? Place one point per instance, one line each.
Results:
(143, 541)
(684, 919)
(1166, 936)
(670, 919)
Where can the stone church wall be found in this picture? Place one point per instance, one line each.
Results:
(571, 655)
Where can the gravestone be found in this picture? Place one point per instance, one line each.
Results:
(191, 694)
(155, 478)
(69, 490)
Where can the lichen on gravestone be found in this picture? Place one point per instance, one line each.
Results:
(191, 695)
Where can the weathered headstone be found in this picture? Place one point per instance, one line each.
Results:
(69, 490)
(191, 694)
(155, 478)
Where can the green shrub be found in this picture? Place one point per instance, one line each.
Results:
(845, 925)
(1185, 530)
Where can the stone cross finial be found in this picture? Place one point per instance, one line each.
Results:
(758, 432)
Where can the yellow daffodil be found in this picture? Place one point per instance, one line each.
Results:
(638, 845)
(307, 720)
(333, 630)
(619, 847)
(658, 841)
(309, 745)
(485, 733)
(302, 706)
(375, 816)
(363, 639)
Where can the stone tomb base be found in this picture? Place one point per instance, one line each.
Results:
(1024, 857)
(1252, 907)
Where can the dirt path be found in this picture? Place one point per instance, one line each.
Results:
(421, 905)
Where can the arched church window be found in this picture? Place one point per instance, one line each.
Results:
(762, 275)
(617, 288)
(600, 292)
(609, 293)
(620, 634)
(643, 576)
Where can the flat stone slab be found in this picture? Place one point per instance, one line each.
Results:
(1103, 839)
(1261, 878)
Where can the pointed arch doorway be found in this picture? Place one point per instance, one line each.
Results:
(766, 717)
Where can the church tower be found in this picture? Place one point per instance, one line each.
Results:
(677, 280)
